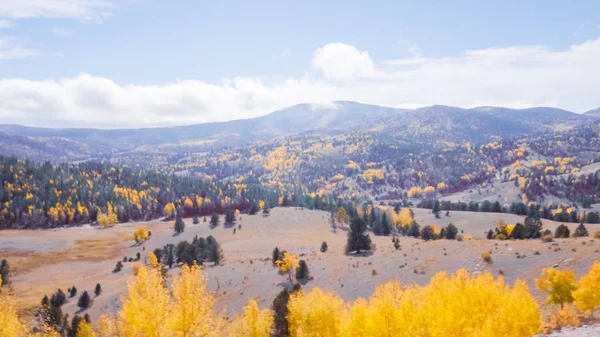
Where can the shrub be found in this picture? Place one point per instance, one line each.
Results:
(487, 257)
(459, 237)
(548, 238)
(597, 234)
(581, 231)
(374, 272)
(324, 247)
(135, 269)
(196, 220)
(501, 237)
(564, 317)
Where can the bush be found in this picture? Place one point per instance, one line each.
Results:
(581, 231)
(548, 238)
(98, 290)
(459, 237)
(487, 257)
(196, 220)
(501, 237)
(73, 292)
(323, 247)
(118, 267)
(597, 234)
(565, 317)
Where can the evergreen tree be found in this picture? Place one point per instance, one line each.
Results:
(195, 220)
(490, 234)
(414, 230)
(118, 267)
(276, 255)
(98, 290)
(253, 209)
(214, 220)
(518, 232)
(84, 301)
(386, 227)
(302, 272)
(5, 273)
(323, 247)
(58, 299)
(214, 252)
(532, 228)
(168, 255)
(158, 253)
(74, 326)
(580, 231)
(358, 238)
(280, 312)
(427, 233)
(73, 292)
(562, 231)
(396, 243)
(179, 224)
(592, 217)
(230, 217)
(266, 210)
(436, 209)
(451, 231)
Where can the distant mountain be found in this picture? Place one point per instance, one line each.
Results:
(593, 113)
(429, 123)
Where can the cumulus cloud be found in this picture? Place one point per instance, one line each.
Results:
(339, 61)
(512, 77)
(75, 9)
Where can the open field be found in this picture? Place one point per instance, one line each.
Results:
(46, 260)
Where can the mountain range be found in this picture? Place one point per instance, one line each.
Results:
(436, 122)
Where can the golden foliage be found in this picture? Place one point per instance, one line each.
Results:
(565, 317)
(558, 284)
(318, 313)
(10, 323)
(169, 209)
(108, 218)
(253, 322)
(341, 216)
(587, 295)
(288, 262)
(85, 330)
(140, 234)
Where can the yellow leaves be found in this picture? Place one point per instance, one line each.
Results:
(558, 284)
(253, 322)
(549, 170)
(415, 192)
(466, 178)
(587, 295)
(10, 323)
(85, 330)
(191, 312)
(261, 204)
(199, 201)
(565, 317)
(404, 218)
(341, 216)
(288, 262)
(442, 186)
(371, 174)
(110, 218)
(352, 165)
(429, 191)
(318, 313)
(153, 261)
(140, 234)
(451, 305)
(169, 209)
(337, 177)
(145, 309)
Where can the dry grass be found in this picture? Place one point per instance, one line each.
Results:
(93, 250)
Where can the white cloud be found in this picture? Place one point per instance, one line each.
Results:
(60, 31)
(94, 10)
(6, 24)
(10, 49)
(339, 61)
(512, 77)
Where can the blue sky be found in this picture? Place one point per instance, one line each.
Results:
(73, 62)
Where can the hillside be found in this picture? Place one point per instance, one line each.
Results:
(434, 122)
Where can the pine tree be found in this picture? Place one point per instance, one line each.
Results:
(5, 273)
(229, 217)
(580, 231)
(358, 238)
(276, 255)
(195, 220)
(84, 301)
(323, 247)
(73, 292)
(179, 224)
(386, 228)
(98, 290)
(214, 220)
(490, 234)
(562, 231)
(451, 231)
(414, 230)
(168, 255)
(302, 273)
(436, 209)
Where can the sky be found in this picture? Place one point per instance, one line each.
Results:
(141, 63)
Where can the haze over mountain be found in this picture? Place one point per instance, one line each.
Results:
(438, 121)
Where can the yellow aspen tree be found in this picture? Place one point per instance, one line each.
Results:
(10, 322)
(191, 312)
(145, 309)
(316, 314)
(288, 263)
(85, 330)
(153, 261)
(383, 315)
(341, 216)
(357, 321)
(108, 326)
(558, 284)
(587, 295)
(253, 322)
